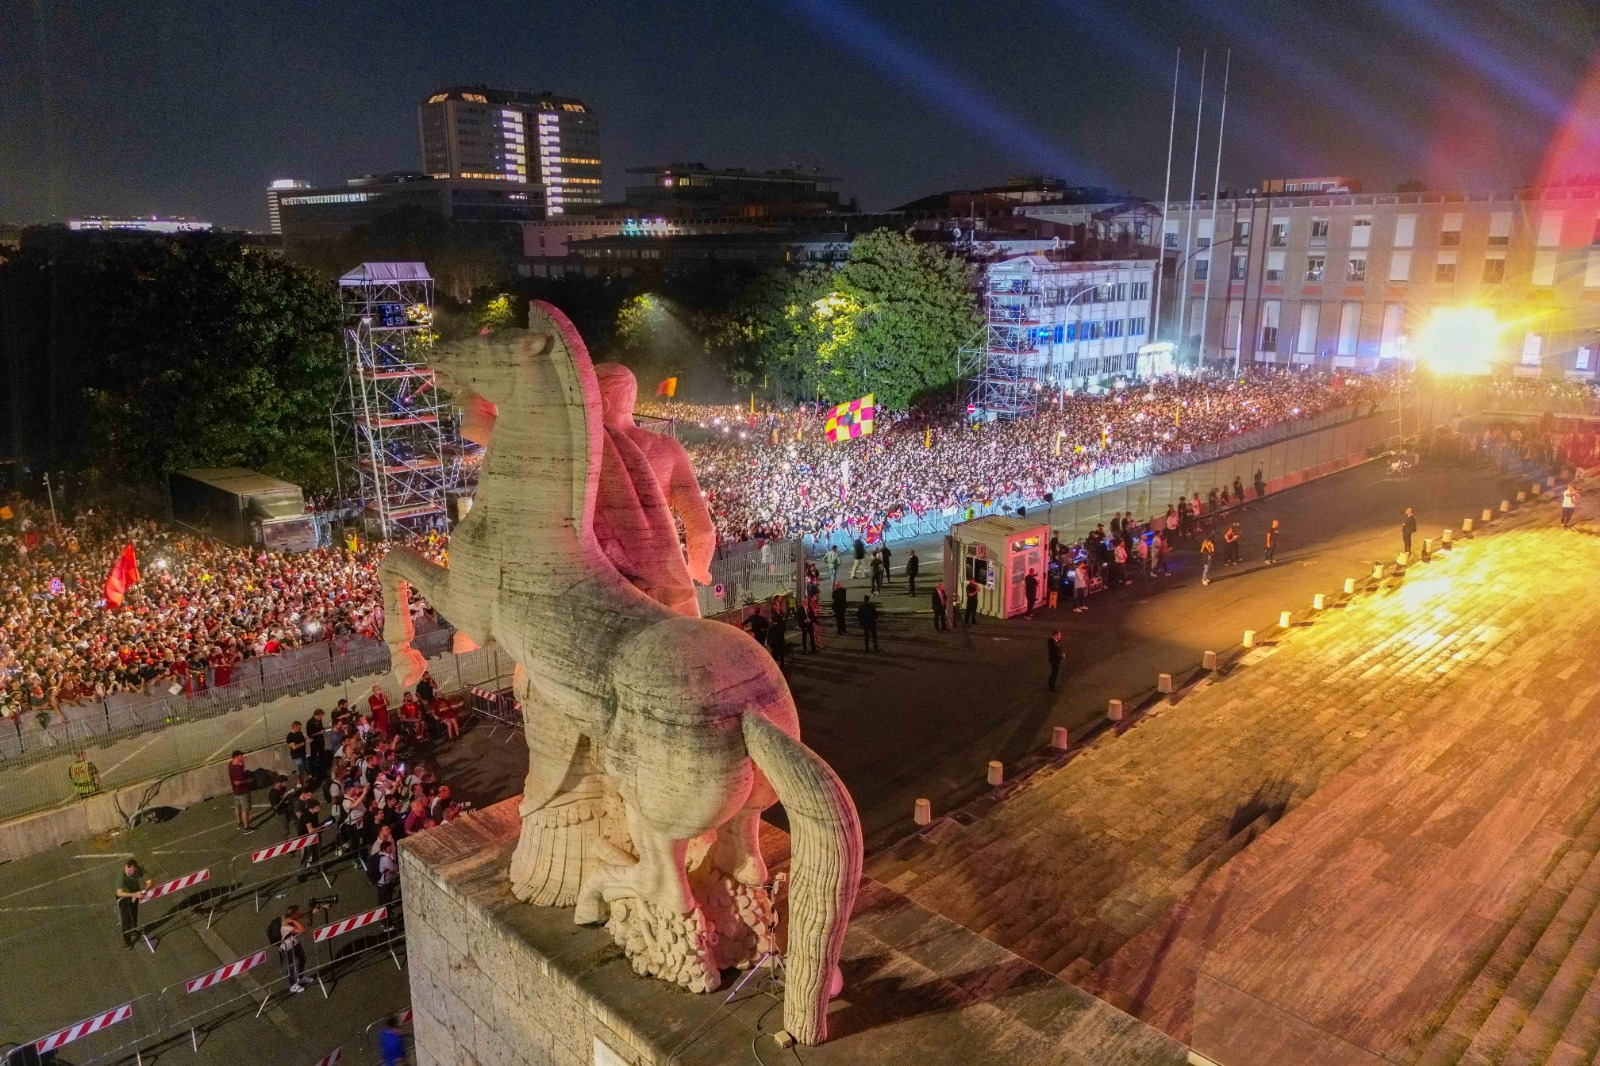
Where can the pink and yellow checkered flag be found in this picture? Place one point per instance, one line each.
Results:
(850, 420)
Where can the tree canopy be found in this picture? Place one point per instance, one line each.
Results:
(208, 354)
(888, 321)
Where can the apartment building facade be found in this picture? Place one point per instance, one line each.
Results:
(1348, 279)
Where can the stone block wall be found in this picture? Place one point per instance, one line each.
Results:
(497, 983)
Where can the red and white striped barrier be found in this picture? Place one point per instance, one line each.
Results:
(344, 925)
(404, 1017)
(288, 847)
(83, 1028)
(332, 1058)
(177, 884)
(223, 973)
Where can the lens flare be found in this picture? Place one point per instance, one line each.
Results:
(1459, 340)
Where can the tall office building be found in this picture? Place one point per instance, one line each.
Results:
(524, 138)
(274, 211)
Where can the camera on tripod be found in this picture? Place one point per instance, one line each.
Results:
(322, 903)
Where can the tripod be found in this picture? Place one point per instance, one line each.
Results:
(771, 960)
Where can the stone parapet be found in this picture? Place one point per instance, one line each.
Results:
(497, 981)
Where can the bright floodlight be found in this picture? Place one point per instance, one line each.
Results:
(1458, 340)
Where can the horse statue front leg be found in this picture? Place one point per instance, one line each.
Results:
(402, 570)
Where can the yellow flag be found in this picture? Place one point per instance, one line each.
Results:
(927, 437)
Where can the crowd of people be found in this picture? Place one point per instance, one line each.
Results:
(202, 608)
(199, 609)
(775, 475)
(363, 781)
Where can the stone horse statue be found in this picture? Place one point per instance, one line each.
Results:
(655, 739)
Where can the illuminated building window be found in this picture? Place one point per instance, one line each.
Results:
(1275, 266)
(1405, 231)
(1316, 266)
(1544, 267)
(1450, 232)
(1319, 230)
(1356, 270)
(1500, 229)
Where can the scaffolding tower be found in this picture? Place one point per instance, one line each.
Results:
(395, 438)
(999, 372)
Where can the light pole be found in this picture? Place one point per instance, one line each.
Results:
(1077, 323)
(1177, 276)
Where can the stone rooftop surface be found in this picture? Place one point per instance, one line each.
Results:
(494, 980)
(1377, 840)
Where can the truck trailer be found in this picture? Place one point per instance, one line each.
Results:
(242, 507)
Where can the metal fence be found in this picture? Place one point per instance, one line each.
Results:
(133, 737)
(747, 573)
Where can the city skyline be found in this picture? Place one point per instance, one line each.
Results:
(207, 105)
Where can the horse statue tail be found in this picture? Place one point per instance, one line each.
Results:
(825, 871)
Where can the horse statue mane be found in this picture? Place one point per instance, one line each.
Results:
(656, 738)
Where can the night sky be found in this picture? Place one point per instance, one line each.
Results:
(189, 107)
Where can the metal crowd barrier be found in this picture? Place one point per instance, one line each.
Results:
(187, 1011)
(499, 706)
(254, 681)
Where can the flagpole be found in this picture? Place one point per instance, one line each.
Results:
(1166, 201)
(1189, 220)
(50, 492)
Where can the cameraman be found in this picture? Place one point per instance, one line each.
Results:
(290, 953)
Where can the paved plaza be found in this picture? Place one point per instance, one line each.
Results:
(65, 960)
(1371, 841)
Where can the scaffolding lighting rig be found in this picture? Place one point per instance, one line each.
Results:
(1001, 383)
(394, 432)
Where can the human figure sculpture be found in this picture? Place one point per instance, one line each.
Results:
(658, 739)
(663, 483)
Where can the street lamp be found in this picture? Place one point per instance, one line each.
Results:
(1076, 330)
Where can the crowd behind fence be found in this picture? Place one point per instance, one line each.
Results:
(912, 526)
(130, 736)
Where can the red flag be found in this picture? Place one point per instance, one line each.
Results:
(123, 574)
(668, 388)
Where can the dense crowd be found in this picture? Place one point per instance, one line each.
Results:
(199, 609)
(775, 474)
(202, 608)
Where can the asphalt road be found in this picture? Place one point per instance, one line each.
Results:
(923, 717)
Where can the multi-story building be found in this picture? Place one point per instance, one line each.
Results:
(694, 190)
(280, 188)
(329, 212)
(477, 133)
(137, 224)
(1071, 323)
(1349, 279)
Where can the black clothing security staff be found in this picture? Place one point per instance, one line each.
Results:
(129, 889)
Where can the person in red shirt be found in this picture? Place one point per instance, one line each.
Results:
(379, 703)
(411, 715)
(445, 711)
(239, 784)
